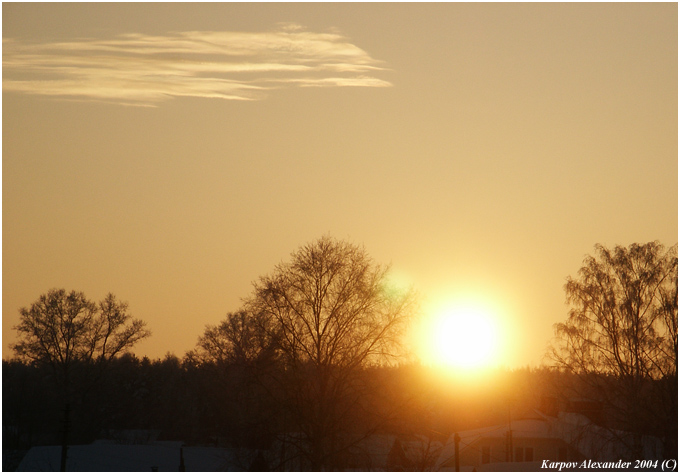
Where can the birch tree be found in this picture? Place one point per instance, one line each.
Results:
(621, 335)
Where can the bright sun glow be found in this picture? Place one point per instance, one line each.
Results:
(462, 337)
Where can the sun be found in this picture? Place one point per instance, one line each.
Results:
(462, 337)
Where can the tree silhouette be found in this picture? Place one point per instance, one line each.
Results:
(621, 335)
(305, 337)
(332, 313)
(241, 338)
(66, 331)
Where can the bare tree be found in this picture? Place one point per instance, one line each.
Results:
(239, 339)
(621, 335)
(332, 313)
(66, 330)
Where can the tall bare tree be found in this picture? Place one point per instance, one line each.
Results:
(621, 335)
(331, 305)
(66, 330)
(320, 319)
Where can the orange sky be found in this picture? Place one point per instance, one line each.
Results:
(173, 153)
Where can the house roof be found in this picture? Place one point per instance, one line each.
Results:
(103, 457)
(574, 429)
(535, 427)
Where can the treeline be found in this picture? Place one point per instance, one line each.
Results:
(227, 405)
(209, 403)
(197, 404)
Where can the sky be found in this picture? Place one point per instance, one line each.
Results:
(172, 153)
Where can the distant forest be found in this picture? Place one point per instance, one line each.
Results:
(214, 404)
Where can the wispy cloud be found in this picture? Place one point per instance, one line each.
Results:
(137, 69)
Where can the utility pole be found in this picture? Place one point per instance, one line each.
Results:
(509, 453)
(508, 446)
(182, 468)
(456, 441)
(64, 441)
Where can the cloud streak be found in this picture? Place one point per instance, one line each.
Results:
(137, 69)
